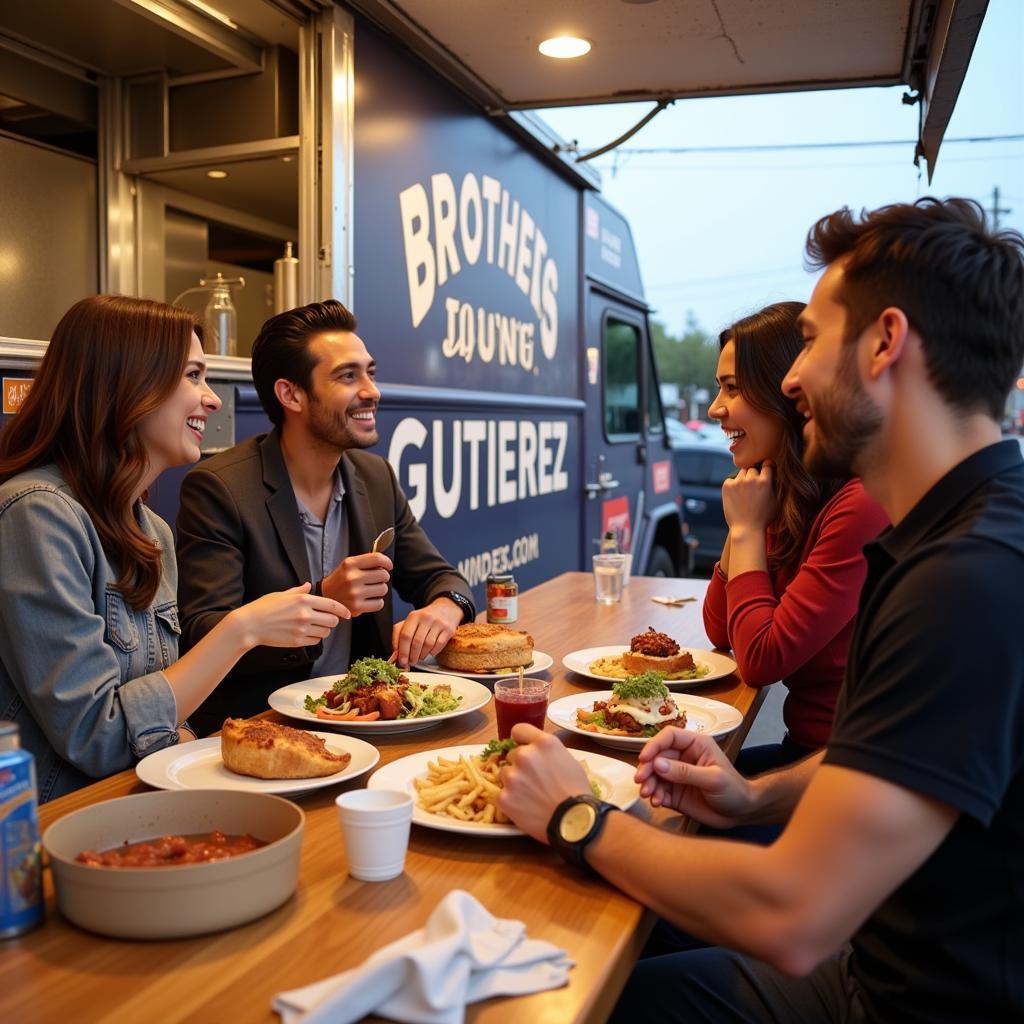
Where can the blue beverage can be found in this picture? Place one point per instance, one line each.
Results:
(21, 869)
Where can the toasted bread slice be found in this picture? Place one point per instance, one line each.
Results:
(634, 662)
(266, 750)
(485, 647)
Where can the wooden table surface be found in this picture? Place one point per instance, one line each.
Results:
(59, 973)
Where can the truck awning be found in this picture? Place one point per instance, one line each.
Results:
(665, 50)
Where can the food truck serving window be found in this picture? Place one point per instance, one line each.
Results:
(621, 379)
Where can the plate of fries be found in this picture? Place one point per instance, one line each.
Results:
(454, 792)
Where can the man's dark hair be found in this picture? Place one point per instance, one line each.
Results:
(282, 348)
(960, 284)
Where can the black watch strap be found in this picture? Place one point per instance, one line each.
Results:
(468, 611)
(573, 851)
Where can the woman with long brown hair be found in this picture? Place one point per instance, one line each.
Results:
(88, 600)
(784, 594)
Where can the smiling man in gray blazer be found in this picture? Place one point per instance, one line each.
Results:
(301, 506)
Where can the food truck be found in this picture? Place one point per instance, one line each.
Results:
(147, 147)
(498, 292)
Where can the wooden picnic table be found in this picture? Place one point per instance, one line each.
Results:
(60, 973)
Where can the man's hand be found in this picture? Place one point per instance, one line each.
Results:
(688, 772)
(291, 618)
(425, 631)
(360, 582)
(540, 774)
(749, 501)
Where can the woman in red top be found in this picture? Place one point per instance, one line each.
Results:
(784, 595)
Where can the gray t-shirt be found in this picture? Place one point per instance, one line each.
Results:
(326, 547)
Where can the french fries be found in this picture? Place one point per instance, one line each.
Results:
(466, 789)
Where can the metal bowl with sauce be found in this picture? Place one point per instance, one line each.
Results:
(183, 900)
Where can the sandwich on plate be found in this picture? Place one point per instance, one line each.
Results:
(640, 706)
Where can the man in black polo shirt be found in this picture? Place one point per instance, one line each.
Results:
(896, 891)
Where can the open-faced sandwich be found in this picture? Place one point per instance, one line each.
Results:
(640, 707)
(486, 647)
(375, 690)
(650, 651)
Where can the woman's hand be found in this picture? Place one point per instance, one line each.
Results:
(749, 501)
(291, 618)
(688, 772)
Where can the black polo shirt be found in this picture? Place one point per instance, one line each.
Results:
(934, 701)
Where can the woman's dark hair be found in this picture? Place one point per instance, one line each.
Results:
(281, 349)
(960, 284)
(111, 362)
(767, 343)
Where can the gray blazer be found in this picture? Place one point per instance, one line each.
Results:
(239, 537)
(81, 671)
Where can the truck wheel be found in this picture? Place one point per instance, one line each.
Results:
(660, 563)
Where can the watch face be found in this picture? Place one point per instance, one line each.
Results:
(577, 822)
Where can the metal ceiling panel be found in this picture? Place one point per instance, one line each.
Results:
(661, 48)
(106, 37)
(675, 49)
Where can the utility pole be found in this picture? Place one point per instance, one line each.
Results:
(996, 208)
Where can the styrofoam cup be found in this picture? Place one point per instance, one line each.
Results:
(375, 827)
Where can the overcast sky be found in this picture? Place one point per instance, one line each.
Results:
(722, 234)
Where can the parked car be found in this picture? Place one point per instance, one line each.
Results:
(701, 468)
(688, 433)
(710, 432)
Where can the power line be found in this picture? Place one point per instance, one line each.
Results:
(695, 168)
(779, 147)
(744, 275)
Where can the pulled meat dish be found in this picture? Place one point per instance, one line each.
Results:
(654, 644)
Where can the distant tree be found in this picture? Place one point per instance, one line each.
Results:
(689, 361)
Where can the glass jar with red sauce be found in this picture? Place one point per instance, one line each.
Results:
(502, 598)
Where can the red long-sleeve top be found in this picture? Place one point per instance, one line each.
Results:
(795, 624)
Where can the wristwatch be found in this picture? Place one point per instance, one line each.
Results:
(575, 823)
(468, 611)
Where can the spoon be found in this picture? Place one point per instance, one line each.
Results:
(384, 539)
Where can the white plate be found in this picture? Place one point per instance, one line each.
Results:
(198, 765)
(290, 701)
(720, 664)
(541, 663)
(714, 717)
(615, 778)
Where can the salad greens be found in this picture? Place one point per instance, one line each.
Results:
(417, 701)
(648, 686)
(499, 747)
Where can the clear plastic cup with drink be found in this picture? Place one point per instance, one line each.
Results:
(609, 578)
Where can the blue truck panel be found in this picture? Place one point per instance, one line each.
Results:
(466, 251)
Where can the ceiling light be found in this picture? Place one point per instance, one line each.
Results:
(216, 174)
(564, 47)
(288, 159)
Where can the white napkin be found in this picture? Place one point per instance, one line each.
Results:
(462, 955)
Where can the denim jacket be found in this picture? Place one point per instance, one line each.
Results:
(81, 671)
